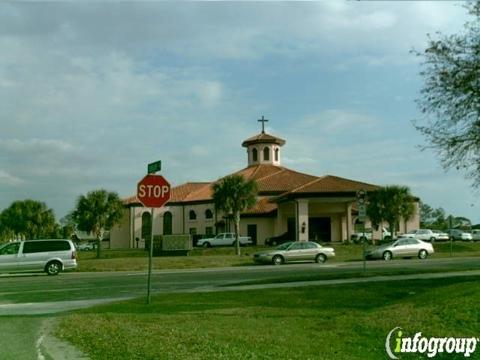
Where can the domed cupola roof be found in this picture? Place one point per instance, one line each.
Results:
(263, 148)
(263, 138)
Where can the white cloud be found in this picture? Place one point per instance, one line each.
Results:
(9, 179)
(34, 146)
(91, 92)
(336, 121)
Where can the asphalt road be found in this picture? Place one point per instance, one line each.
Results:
(27, 337)
(77, 289)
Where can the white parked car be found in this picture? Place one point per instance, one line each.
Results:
(293, 251)
(85, 246)
(441, 235)
(422, 234)
(360, 237)
(457, 234)
(476, 235)
(401, 248)
(224, 239)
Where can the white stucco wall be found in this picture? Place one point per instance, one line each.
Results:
(121, 233)
(201, 222)
(260, 158)
(265, 227)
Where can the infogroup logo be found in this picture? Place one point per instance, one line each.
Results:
(431, 346)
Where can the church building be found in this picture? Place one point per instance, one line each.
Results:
(305, 206)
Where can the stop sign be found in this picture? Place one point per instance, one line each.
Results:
(153, 191)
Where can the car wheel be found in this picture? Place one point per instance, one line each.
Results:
(206, 245)
(277, 260)
(53, 268)
(321, 258)
(422, 254)
(387, 255)
(274, 243)
(432, 240)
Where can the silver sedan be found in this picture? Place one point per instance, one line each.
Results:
(403, 247)
(295, 251)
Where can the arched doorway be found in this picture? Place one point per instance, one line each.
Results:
(146, 226)
(167, 223)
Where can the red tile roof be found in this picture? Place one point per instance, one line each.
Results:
(329, 183)
(263, 138)
(271, 180)
(184, 192)
(263, 206)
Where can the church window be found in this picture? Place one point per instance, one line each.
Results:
(146, 225)
(254, 155)
(276, 154)
(167, 223)
(208, 214)
(192, 215)
(266, 154)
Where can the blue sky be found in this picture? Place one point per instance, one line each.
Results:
(92, 92)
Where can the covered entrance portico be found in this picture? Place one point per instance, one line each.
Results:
(317, 218)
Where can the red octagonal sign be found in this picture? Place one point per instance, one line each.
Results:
(153, 191)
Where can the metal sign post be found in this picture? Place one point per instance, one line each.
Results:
(153, 191)
(362, 215)
(450, 226)
(150, 260)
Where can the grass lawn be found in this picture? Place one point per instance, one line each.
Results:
(131, 260)
(19, 335)
(329, 322)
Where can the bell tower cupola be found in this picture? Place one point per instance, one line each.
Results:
(263, 148)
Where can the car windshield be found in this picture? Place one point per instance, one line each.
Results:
(387, 244)
(284, 246)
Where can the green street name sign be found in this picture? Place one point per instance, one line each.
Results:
(154, 167)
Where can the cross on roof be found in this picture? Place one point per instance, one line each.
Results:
(263, 121)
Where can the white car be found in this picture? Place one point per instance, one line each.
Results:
(457, 234)
(441, 235)
(50, 256)
(293, 251)
(224, 239)
(422, 234)
(476, 235)
(85, 247)
(360, 237)
(401, 248)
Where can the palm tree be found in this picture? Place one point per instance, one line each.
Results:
(29, 219)
(390, 204)
(233, 194)
(98, 212)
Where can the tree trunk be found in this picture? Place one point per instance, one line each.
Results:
(99, 243)
(237, 232)
(393, 228)
(99, 248)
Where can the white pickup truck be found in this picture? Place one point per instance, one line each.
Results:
(359, 237)
(224, 239)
